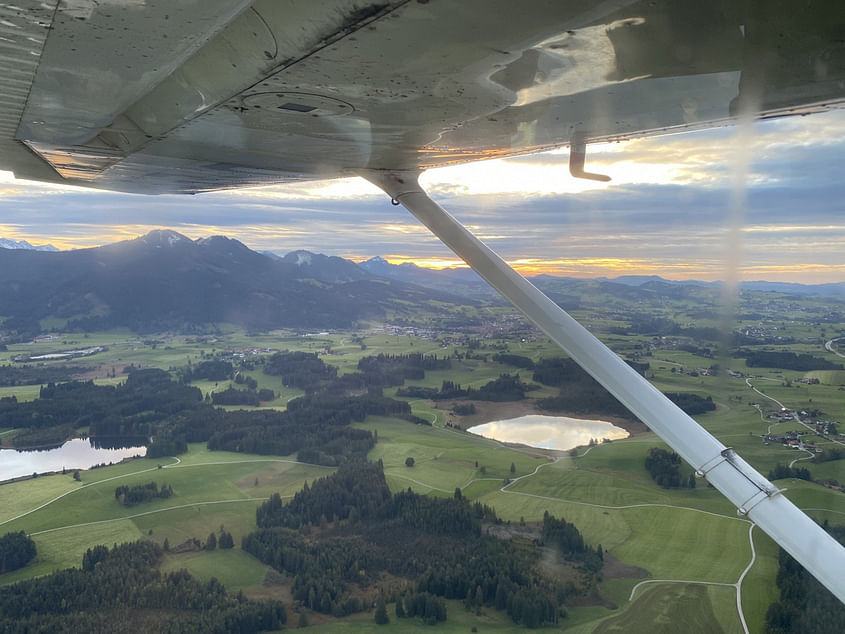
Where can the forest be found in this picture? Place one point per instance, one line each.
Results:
(691, 403)
(786, 360)
(346, 530)
(579, 392)
(151, 405)
(507, 387)
(805, 605)
(122, 585)
(12, 375)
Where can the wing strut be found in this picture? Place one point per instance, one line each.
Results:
(753, 495)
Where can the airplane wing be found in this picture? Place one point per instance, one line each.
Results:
(157, 96)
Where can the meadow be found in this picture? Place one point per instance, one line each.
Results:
(691, 537)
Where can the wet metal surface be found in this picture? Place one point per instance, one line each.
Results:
(155, 96)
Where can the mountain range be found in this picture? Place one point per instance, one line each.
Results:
(5, 243)
(166, 281)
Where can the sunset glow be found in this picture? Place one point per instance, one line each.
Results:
(664, 213)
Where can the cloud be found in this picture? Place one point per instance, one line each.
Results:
(667, 211)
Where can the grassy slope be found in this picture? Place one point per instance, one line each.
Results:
(90, 515)
(669, 542)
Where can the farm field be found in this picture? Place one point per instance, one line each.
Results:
(691, 537)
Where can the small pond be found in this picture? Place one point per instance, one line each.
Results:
(74, 454)
(549, 432)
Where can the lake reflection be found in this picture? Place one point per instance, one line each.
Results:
(74, 454)
(549, 432)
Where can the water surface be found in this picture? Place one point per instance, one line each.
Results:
(74, 454)
(549, 432)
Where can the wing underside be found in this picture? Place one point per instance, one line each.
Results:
(186, 97)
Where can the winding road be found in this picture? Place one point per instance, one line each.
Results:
(830, 347)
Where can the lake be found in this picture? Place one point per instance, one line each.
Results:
(74, 454)
(549, 432)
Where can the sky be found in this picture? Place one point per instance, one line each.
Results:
(682, 206)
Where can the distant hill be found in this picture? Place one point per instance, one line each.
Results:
(460, 281)
(166, 281)
(330, 269)
(831, 289)
(5, 243)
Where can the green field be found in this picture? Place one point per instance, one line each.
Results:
(210, 490)
(689, 536)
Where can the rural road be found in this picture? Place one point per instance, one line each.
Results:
(829, 347)
(794, 412)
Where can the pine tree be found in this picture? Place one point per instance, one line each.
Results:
(381, 612)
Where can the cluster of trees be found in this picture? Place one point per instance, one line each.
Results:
(152, 406)
(656, 326)
(377, 372)
(140, 493)
(568, 540)
(429, 608)
(579, 392)
(250, 396)
(302, 370)
(315, 427)
(356, 488)
(805, 605)
(13, 375)
(16, 551)
(782, 471)
(516, 360)
(436, 544)
(665, 469)
(691, 403)
(321, 574)
(234, 396)
(507, 387)
(135, 408)
(225, 541)
(799, 361)
(402, 366)
(122, 585)
(830, 454)
(210, 370)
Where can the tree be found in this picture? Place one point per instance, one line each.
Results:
(211, 542)
(400, 609)
(409, 462)
(16, 551)
(226, 540)
(513, 468)
(381, 617)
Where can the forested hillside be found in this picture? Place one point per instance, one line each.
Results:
(341, 535)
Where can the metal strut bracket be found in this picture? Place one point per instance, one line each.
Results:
(749, 491)
(577, 157)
